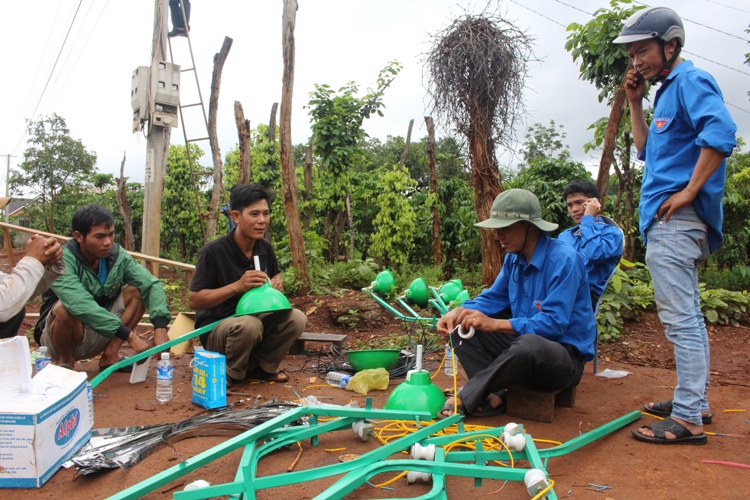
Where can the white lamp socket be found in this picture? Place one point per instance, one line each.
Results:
(413, 476)
(512, 428)
(535, 481)
(363, 429)
(419, 452)
(515, 443)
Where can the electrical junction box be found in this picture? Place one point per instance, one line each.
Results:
(139, 96)
(155, 98)
(166, 94)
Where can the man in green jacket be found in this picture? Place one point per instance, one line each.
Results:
(99, 300)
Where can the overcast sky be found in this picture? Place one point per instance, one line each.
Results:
(337, 42)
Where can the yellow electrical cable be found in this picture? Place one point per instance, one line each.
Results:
(442, 361)
(545, 490)
(548, 441)
(487, 436)
(392, 480)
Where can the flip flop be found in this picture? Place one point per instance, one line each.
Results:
(485, 408)
(664, 409)
(124, 369)
(259, 374)
(660, 428)
(450, 407)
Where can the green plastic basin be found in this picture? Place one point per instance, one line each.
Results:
(374, 358)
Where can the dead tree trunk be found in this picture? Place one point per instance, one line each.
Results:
(629, 175)
(243, 134)
(486, 187)
(272, 128)
(408, 143)
(437, 241)
(122, 205)
(213, 108)
(610, 138)
(308, 188)
(288, 175)
(350, 218)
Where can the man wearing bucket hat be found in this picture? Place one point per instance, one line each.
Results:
(543, 292)
(685, 150)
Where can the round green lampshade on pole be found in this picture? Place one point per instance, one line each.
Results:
(417, 293)
(384, 283)
(262, 299)
(461, 297)
(417, 394)
(450, 290)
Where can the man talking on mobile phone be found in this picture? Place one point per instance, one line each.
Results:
(685, 150)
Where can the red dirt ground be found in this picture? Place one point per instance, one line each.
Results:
(631, 468)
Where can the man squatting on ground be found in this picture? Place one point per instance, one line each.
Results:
(685, 151)
(32, 276)
(254, 346)
(543, 289)
(597, 239)
(100, 299)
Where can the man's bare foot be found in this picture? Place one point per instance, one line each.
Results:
(495, 402)
(695, 430)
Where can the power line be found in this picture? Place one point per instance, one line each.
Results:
(741, 109)
(72, 46)
(51, 72)
(701, 24)
(720, 64)
(574, 7)
(728, 6)
(96, 23)
(39, 66)
(538, 14)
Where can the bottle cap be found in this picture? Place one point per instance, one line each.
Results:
(164, 355)
(43, 349)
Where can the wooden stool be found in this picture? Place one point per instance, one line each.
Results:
(535, 405)
(334, 338)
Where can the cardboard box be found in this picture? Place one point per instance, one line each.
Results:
(183, 323)
(44, 421)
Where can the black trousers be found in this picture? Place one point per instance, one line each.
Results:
(10, 328)
(496, 361)
(174, 6)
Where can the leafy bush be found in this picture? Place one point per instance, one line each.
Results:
(723, 306)
(626, 297)
(737, 279)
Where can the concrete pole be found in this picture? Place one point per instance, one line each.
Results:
(156, 146)
(7, 186)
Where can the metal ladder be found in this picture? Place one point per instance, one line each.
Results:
(194, 175)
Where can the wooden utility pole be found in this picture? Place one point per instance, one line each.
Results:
(437, 241)
(156, 146)
(213, 111)
(243, 134)
(288, 175)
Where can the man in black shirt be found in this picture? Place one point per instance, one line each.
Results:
(253, 345)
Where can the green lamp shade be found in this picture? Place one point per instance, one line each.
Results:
(462, 297)
(384, 283)
(417, 293)
(417, 394)
(450, 290)
(374, 358)
(262, 299)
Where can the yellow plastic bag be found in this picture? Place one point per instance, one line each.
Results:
(366, 380)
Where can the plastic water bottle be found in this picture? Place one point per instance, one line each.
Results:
(164, 374)
(42, 359)
(450, 359)
(90, 395)
(338, 379)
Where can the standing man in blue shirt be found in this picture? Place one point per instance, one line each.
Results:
(685, 151)
(543, 290)
(596, 238)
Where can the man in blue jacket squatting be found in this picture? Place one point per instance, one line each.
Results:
(543, 289)
(685, 150)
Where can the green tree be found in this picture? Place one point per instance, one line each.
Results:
(735, 250)
(337, 118)
(395, 223)
(54, 165)
(181, 235)
(544, 142)
(605, 65)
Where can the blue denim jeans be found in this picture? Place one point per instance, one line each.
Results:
(675, 250)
